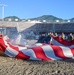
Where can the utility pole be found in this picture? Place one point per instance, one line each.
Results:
(3, 5)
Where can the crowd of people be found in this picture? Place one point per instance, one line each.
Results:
(45, 38)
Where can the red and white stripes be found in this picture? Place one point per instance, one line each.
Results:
(58, 41)
(39, 52)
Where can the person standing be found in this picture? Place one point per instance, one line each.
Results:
(70, 37)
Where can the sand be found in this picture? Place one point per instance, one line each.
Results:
(13, 66)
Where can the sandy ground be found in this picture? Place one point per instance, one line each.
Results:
(12, 66)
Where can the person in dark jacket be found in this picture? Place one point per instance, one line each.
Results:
(48, 38)
(42, 38)
(70, 37)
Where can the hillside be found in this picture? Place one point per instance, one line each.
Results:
(12, 18)
(47, 18)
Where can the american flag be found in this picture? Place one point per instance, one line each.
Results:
(56, 51)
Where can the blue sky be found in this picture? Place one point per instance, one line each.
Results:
(34, 8)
